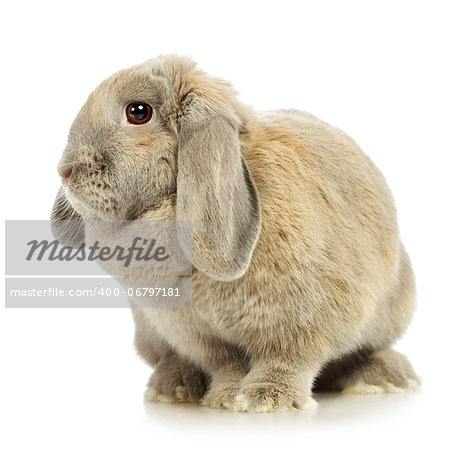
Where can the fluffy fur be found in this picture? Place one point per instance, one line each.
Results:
(299, 276)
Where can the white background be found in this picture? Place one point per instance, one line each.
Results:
(379, 70)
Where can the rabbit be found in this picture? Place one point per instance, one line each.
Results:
(299, 279)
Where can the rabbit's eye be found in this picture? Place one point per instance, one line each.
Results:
(139, 113)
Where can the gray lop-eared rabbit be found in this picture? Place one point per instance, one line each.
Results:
(299, 278)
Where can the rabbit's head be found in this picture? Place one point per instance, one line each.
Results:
(161, 130)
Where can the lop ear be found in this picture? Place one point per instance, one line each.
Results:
(216, 191)
(67, 225)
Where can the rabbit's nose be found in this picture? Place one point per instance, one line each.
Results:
(67, 174)
(64, 170)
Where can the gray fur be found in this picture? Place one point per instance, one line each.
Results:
(299, 274)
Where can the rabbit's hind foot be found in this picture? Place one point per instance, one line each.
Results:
(383, 371)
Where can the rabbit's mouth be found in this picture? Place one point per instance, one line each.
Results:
(91, 199)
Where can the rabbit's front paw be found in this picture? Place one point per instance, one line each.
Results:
(222, 395)
(176, 381)
(259, 397)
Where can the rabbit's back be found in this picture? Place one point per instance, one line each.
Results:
(329, 249)
(317, 185)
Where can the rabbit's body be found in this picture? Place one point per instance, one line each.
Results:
(319, 302)
(328, 288)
